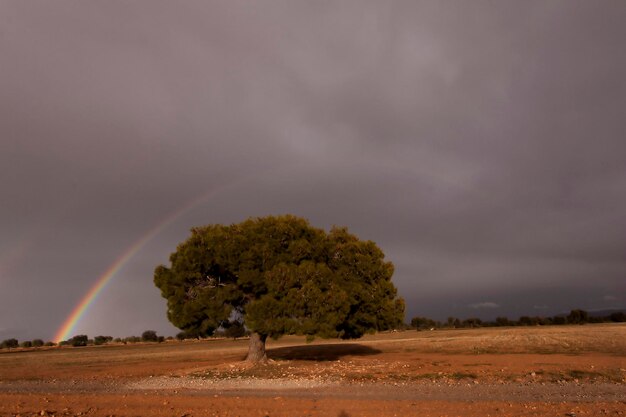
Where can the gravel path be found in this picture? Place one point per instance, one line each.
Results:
(315, 388)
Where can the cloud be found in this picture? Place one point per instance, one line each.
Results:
(449, 134)
(484, 304)
(540, 307)
(610, 298)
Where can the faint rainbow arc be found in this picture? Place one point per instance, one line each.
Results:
(64, 331)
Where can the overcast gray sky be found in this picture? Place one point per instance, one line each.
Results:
(481, 144)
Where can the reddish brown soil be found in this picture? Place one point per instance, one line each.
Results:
(556, 371)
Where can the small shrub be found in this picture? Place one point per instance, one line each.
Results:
(38, 343)
(149, 336)
(26, 344)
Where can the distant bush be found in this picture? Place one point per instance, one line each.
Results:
(422, 323)
(472, 322)
(101, 340)
(79, 340)
(149, 336)
(38, 343)
(578, 317)
(26, 344)
(9, 343)
(50, 344)
(132, 339)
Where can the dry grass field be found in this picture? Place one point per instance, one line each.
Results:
(556, 371)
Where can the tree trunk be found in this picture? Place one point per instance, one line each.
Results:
(256, 349)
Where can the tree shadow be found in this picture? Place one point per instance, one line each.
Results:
(329, 352)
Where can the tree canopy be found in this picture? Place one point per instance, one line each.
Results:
(279, 275)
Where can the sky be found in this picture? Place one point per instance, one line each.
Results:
(481, 145)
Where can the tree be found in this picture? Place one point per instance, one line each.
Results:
(38, 343)
(235, 329)
(101, 340)
(578, 317)
(79, 340)
(472, 322)
(502, 321)
(279, 275)
(421, 323)
(26, 344)
(149, 336)
(10, 343)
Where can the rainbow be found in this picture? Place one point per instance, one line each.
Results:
(65, 331)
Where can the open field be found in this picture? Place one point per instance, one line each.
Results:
(557, 371)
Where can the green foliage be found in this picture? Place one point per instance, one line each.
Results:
(235, 329)
(101, 340)
(422, 323)
(502, 321)
(26, 344)
(149, 336)
(472, 322)
(9, 343)
(79, 340)
(38, 343)
(618, 317)
(279, 275)
(578, 317)
(50, 344)
(131, 339)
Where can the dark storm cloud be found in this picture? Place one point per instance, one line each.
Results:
(480, 144)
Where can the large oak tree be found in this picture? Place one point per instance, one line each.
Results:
(279, 275)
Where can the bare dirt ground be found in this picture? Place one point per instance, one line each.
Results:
(539, 371)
